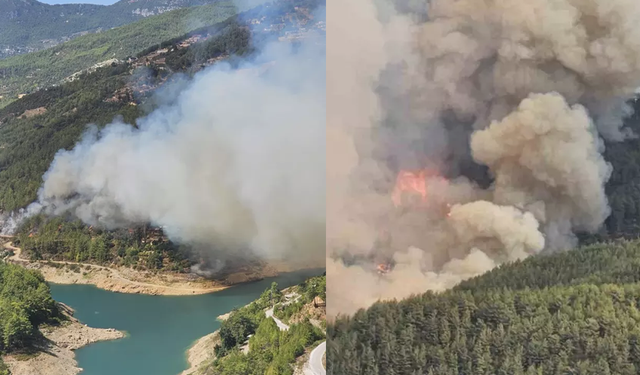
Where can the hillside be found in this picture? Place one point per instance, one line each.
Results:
(35, 127)
(29, 25)
(28, 73)
(567, 313)
(251, 342)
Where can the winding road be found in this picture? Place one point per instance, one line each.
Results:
(314, 365)
(282, 326)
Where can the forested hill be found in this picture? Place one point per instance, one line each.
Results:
(30, 25)
(35, 127)
(26, 74)
(569, 313)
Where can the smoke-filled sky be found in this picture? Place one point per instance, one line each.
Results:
(516, 93)
(235, 162)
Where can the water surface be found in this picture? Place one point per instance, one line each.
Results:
(160, 328)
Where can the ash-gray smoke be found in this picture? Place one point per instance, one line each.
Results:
(519, 91)
(236, 161)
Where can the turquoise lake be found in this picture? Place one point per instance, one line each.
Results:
(160, 328)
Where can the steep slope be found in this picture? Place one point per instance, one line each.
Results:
(35, 127)
(29, 25)
(28, 73)
(251, 341)
(54, 118)
(573, 312)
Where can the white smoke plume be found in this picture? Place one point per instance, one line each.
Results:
(526, 89)
(234, 163)
(546, 160)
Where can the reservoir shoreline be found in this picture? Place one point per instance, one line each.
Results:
(57, 351)
(152, 346)
(128, 280)
(202, 350)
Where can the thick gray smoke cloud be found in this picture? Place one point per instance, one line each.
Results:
(524, 88)
(235, 162)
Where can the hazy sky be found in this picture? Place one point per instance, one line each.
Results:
(101, 2)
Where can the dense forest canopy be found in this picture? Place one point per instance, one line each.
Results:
(61, 239)
(575, 312)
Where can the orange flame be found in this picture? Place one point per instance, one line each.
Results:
(383, 268)
(410, 182)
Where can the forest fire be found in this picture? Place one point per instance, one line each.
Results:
(383, 268)
(411, 182)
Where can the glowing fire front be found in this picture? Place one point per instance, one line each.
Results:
(383, 268)
(410, 183)
(411, 189)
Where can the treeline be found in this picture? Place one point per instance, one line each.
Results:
(233, 40)
(568, 319)
(201, 32)
(60, 239)
(270, 351)
(602, 263)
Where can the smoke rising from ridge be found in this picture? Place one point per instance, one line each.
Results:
(234, 162)
(524, 89)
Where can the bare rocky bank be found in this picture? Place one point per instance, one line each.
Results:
(127, 280)
(56, 353)
(201, 352)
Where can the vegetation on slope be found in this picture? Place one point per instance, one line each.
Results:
(37, 139)
(28, 73)
(271, 351)
(568, 319)
(59, 239)
(25, 304)
(305, 293)
(30, 23)
(28, 144)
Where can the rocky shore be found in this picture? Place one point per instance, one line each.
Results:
(56, 353)
(127, 280)
(201, 352)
